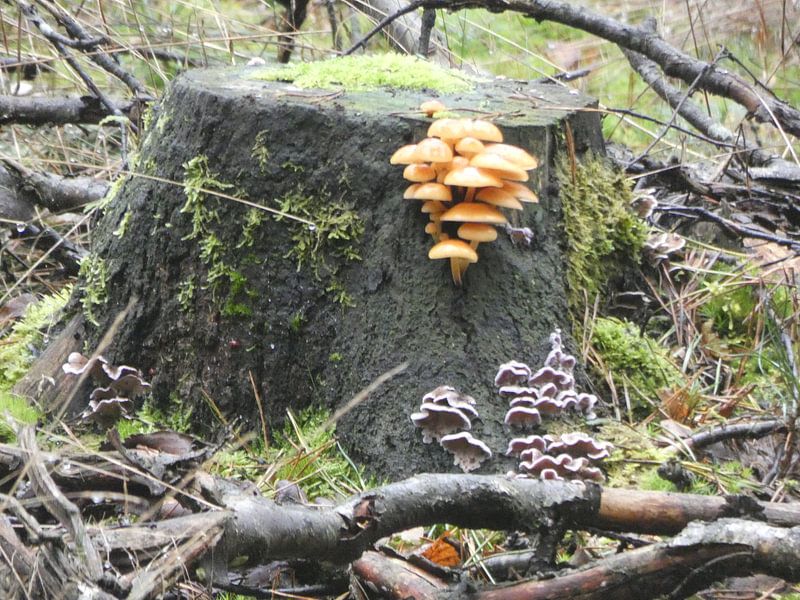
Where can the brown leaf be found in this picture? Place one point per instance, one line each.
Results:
(15, 307)
(443, 552)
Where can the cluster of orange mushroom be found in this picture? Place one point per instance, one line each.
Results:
(464, 173)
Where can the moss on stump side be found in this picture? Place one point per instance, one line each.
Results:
(310, 308)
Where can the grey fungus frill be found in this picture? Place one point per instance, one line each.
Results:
(550, 390)
(523, 417)
(437, 420)
(118, 387)
(512, 373)
(468, 453)
(443, 412)
(659, 247)
(549, 393)
(578, 444)
(570, 456)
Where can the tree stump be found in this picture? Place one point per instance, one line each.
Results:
(231, 303)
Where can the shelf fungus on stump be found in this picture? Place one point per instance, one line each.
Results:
(481, 175)
(468, 452)
(118, 387)
(443, 411)
(548, 393)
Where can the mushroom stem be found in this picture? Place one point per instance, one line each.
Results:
(437, 220)
(456, 270)
(470, 195)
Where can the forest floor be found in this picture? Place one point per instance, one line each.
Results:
(695, 354)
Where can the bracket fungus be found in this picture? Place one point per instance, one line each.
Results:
(437, 420)
(444, 411)
(468, 452)
(660, 246)
(550, 392)
(481, 175)
(118, 387)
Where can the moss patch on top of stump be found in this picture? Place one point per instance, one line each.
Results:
(370, 72)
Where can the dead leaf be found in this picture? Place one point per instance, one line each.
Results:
(16, 307)
(443, 552)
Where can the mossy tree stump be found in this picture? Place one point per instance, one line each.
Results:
(232, 301)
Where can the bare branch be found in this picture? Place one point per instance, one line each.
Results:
(36, 110)
(675, 63)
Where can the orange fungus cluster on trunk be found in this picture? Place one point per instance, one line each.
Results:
(464, 174)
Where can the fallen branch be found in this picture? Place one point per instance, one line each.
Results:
(40, 110)
(700, 555)
(740, 230)
(713, 131)
(241, 526)
(673, 62)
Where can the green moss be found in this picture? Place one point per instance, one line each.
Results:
(642, 363)
(252, 223)
(260, 152)
(366, 72)
(14, 411)
(603, 236)
(17, 351)
(198, 177)
(336, 232)
(296, 321)
(186, 291)
(111, 193)
(123, 224)
(18, 346)
(222, 275)
(336, 290)
(238, 291)
(94, 290)
(177, 417)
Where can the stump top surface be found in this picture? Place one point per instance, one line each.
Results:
(506, 101)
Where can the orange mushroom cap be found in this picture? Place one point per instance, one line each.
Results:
(475, 212)
(433, 150)
(404, 155)
(453, 249)
(520, 192)
(410, 191)
(448, 129)
(431, 107)
(472, 177)
(477, 232)
(469, 146)
(498, 197)
(499, 166)
(431, 191)
(483, 130)
(518, 156)
(433, 207)
(419, 172)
